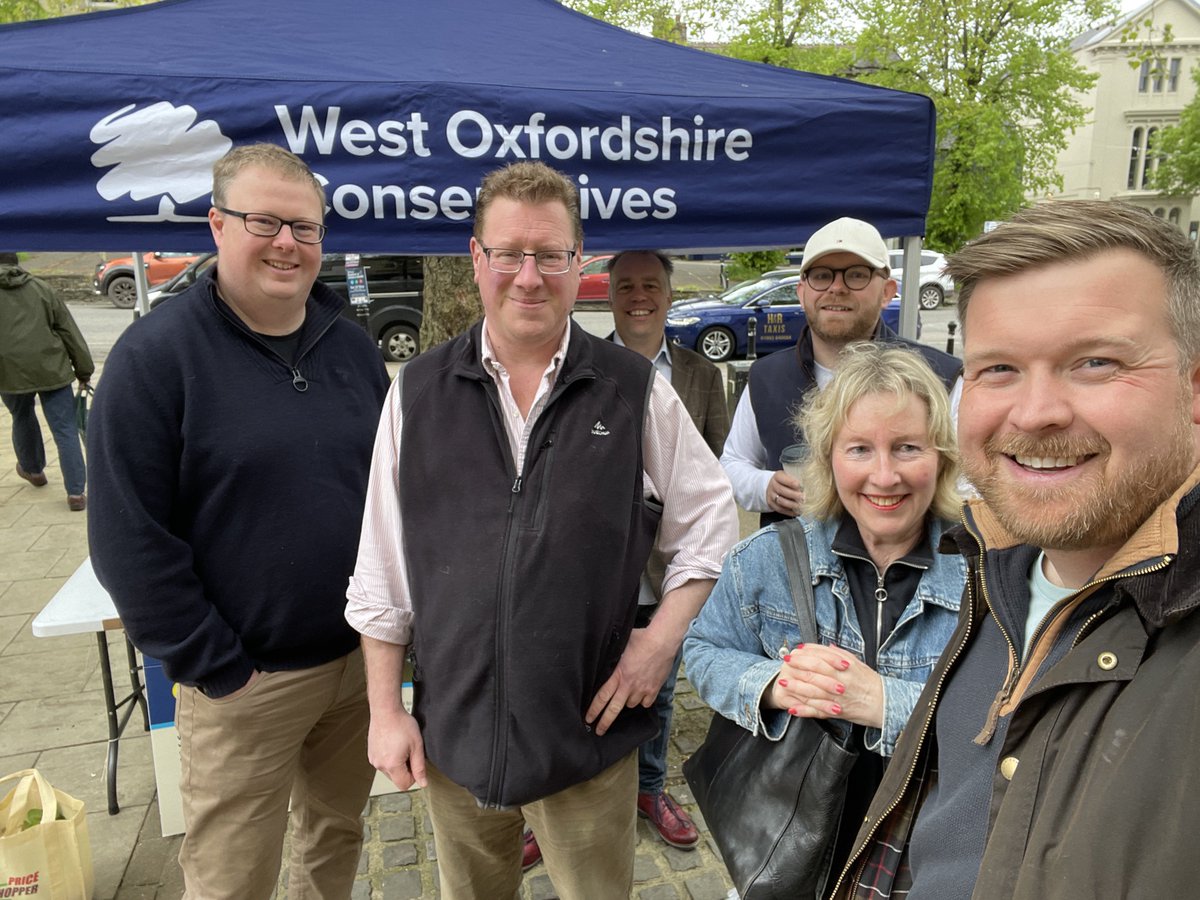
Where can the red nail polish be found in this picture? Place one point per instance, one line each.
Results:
(841, 689)
(798, 646)
(845, 663)
(792, 711)
(783, 682)
(837, 710)
(787, 658)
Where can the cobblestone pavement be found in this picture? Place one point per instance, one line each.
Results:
(398, 856)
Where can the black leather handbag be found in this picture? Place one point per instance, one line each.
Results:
(773, 807)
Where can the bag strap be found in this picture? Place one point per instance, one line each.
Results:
(795, 554)
(20, 799)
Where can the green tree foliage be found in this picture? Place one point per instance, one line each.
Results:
(1000, 73)
(1006, 88)
(21, 10)
(743, 266)
(1149, 42)
(26, 10)
(810, 35)
(1178, 151)
(669, 20)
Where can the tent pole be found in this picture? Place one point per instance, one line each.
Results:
(911, 291)
(143, 285)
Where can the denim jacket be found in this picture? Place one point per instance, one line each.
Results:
(732, 648)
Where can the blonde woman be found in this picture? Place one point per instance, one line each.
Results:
(879, 487)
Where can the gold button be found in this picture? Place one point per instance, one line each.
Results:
(1008, 767)
(1107, 661)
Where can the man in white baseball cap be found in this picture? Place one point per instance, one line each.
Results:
(845, 286)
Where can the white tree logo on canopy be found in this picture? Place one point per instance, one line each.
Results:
(159, 151)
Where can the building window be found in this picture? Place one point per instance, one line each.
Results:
(1135, 158)
(1159, 212)
(1154, 74)
(1151, 159)
(1173, 216)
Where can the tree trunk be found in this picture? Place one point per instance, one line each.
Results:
(451, 299)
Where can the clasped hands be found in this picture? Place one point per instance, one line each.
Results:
(826, 682)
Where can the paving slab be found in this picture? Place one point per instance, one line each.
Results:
(49, 722)
(10, 627)
(29, 595)
(50, 673)
(18, 540)
(80, 771)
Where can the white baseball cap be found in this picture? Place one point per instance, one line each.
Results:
(848, 235)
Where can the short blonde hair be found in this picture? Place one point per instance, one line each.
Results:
(1073, 230)
(268, 156)
(528, 182)
(865, 369)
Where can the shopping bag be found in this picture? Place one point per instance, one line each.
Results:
(44, 847)
(81, 407)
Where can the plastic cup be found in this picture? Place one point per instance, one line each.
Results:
(792, 459)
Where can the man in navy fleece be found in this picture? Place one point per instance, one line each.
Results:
(229, 445)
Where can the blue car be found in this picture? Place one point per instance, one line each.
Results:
(715, 327)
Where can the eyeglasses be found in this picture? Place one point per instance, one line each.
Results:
(265, 225)
(854, 277)
(548, 262)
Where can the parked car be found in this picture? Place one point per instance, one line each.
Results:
(115, 277)
(593, 279)
(715, 327)
(936, 285)
(395, 284)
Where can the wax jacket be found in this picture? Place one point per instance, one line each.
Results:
(1098, 776)
(41, 347)
(732, 649)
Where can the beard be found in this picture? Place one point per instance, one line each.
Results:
(846, 331)
(1101, 510)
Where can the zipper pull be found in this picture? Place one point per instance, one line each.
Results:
(298, 381)
(516, 488)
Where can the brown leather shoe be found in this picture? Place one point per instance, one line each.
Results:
(532, 854)
(76, 502)
(37, 480)
(673, 824)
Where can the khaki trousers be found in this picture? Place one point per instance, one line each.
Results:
(586, 833)
(299, 734)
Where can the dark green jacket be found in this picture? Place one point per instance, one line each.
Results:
(41, 348)
(1095, 795)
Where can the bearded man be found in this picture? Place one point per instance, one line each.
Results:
(846, 285)
(1052, 754)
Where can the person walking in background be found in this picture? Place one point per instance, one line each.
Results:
(639, 292)
(230, 439)
(41, 353)
(879, 493)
